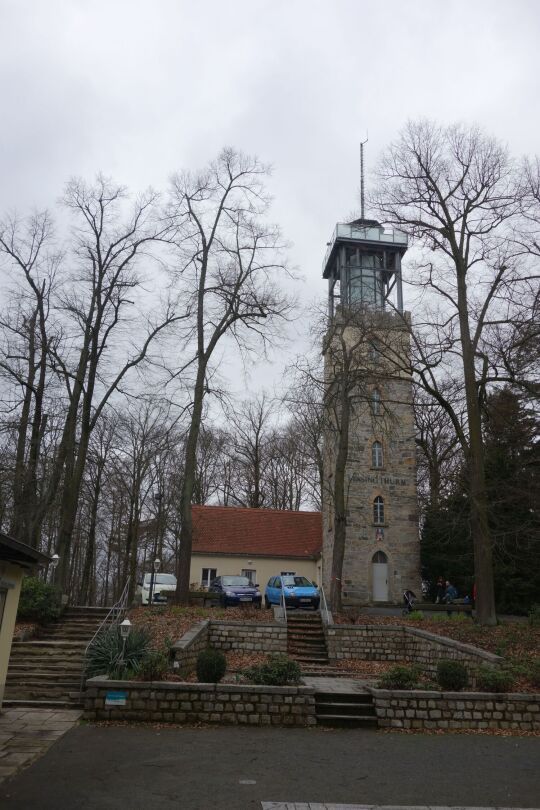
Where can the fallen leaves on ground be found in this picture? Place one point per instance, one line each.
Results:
(516, 641)
(24, 630)
(355, 666)
(166, 625)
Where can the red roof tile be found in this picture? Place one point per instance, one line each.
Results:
(263, 532)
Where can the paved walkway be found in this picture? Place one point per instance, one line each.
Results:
(26, 734)
(318, 806)
(224, 768)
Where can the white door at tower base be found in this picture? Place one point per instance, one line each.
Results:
(380, 582)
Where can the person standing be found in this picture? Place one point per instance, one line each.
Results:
(450, 593)
(439, 591)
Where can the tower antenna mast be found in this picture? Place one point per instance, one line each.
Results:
(362, 206)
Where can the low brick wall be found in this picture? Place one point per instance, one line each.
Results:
(201, 702)
(375, 642)
(185, 651)
(454, 710)
(270, 638)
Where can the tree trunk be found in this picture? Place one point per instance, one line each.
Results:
(483, 563)
(190, 466)
(340, 508)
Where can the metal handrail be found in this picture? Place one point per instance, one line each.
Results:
(325, 613)
(111, 619)
(283, 605)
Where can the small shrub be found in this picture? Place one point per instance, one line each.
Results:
(534, 616)
(489, 679)
(416, 615)
(211, 666)
(452, 675)
(279, 670)
(400, 677)
(108, 654)
(38, 602)
(153, 667)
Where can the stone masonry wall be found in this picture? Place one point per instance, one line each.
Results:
(269, 638)
(454, 710)
(365, 642)
(223, 635)
(201, 702)
(395, 482)
(185, 651)
(399, 643)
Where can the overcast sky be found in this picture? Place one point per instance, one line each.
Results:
(139, 88)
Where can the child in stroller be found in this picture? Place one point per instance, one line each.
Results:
(408, 599)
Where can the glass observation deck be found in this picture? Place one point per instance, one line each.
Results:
(351, 232)
(363, 266)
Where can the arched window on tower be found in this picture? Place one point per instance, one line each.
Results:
(378, 510)
(376, 402)
(377, 455)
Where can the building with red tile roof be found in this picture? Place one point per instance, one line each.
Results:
(258, 543)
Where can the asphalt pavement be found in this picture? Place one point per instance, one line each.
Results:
(136, 767)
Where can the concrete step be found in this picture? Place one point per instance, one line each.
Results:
(345, 709)
(346, 721)
(41, 693)
(349, 698)
(45, 662)
(46, 680)
(43, 676)
(305, 631)
(42, 643)
(333, 709)
(42, 704)
(307, 643)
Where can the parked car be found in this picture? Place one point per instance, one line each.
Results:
(235, 590)
(164, 586)
(298, 591)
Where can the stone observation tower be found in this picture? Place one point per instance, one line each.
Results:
(369, 424)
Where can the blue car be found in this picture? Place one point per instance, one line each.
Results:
(298, 592)
(235, 591)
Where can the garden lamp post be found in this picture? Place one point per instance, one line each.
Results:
(125, 630)
(155, 568)
(55, 559)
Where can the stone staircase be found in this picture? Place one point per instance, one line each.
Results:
(46, 671)
(306, 642)
(345, 709)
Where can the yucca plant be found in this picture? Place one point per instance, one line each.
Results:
(109, 656)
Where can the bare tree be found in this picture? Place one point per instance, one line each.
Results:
(27, 337)
(455, 191)
(230, 270)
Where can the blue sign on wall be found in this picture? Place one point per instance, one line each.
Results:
(115, 698)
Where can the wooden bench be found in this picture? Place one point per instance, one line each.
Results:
(441, 607)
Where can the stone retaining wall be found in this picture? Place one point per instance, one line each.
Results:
(162, 701)
(185, 651)
(400, 643)
(365, 642)
(223, 635)
(454, 710)
(269, 638)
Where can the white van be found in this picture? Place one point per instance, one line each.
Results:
(164, 585)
